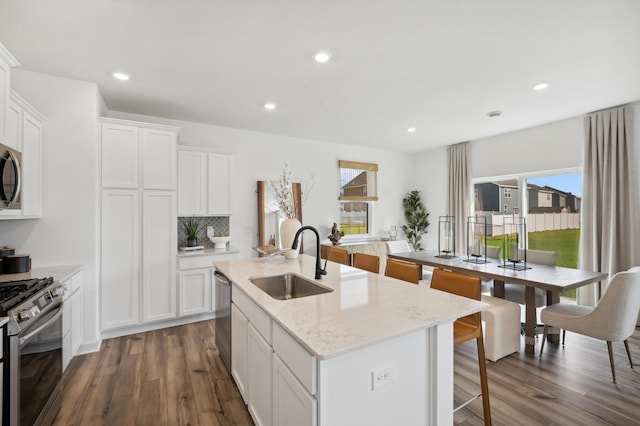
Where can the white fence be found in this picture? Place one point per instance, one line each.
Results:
(537, 222)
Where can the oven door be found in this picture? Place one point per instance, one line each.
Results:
(10, 178)
(36, 371)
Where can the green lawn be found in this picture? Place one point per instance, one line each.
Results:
(564, 242)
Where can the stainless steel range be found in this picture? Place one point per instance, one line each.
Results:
(34, 367)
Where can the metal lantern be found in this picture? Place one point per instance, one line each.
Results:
(514, 243)
(446, 237)
(477, 239)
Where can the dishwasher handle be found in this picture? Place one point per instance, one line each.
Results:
(221, 278)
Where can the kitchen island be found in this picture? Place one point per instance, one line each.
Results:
(373, 351)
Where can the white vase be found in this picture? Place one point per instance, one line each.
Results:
(288, 229)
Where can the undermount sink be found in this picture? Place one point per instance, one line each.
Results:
(289, 286)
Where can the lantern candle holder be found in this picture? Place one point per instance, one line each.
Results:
(477, 240)
(514, 243)
(446, 237)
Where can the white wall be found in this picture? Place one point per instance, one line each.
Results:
(260, 156)
(67, 232)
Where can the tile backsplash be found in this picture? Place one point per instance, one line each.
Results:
(220, 226)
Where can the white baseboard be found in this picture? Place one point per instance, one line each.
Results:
(142, 328)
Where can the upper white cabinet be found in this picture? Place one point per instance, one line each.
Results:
(6, 62)
(138, 153)
(24, 133)
(204, 182)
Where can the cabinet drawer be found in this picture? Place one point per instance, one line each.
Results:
(256, 316)
(195, 262)
(301, 363)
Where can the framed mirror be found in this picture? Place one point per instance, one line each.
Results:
(268, 218)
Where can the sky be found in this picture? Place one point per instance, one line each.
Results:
(568, 183)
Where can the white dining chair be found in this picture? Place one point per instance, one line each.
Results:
(613, 319)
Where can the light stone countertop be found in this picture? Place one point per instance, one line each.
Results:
(59, 273)
(207, 252)
(364, 308)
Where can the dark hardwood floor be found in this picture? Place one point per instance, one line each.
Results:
(174, 376)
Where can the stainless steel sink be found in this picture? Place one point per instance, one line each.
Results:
(289, 286)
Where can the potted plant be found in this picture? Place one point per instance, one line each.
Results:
(417, 218)
(192, 227)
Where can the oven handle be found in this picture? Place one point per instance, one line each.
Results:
(50, 321)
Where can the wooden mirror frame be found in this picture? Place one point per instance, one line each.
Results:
(296, 188)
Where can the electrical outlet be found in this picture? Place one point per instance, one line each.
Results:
(382, 376)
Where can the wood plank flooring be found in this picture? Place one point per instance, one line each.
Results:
(174, 376)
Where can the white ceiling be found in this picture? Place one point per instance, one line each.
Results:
(438, 65)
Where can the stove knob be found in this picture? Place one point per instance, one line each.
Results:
(28, 313)
(58, 291)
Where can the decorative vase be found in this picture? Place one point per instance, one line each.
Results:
(288, 229)
(192, 242)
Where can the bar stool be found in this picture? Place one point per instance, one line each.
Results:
(467, 328)
(368, 262)
(403, 270)
(338, 255)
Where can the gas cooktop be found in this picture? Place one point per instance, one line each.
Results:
(13, 293)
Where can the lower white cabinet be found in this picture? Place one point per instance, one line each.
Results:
(240, 351)
(274, 394)
(260, 358)
(195, 291)
(292, 404)
(72, 320)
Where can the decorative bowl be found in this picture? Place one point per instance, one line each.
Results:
(220, 242)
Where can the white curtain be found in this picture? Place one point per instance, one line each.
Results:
(610, 234)
(459, 190)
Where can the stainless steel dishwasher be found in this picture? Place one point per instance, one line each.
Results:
(223, 318)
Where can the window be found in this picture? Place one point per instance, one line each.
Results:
(358, 191)
(550, 203)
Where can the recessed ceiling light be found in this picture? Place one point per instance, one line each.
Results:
(411, 129)
(322, 57)
(494, 114)
(540, 86)
(270, 106)
(121, 76)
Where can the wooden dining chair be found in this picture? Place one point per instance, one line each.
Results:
(403, 270)
(368, 262)
(467, 328)
(338, 255)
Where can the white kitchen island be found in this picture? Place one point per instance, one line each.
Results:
(374, 351)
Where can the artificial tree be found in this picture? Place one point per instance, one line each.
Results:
(417, 218)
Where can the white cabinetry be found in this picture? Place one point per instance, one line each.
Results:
(204, 183)
(240, 351)
(72, 318)
(195, 291)
(24, 133)
(6, 62)
(139, 223)
(292, 404)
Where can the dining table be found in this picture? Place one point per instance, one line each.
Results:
(552, 279)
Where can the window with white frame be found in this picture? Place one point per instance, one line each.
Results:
(358, 192)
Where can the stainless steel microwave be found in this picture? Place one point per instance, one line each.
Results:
(10, 178)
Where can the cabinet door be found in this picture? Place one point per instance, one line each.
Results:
(192, 183)
(120, 258)
(240, 351)
(219, 184)
(76, 321)
(158, 158)
(260, 358)
(292, 404)
(120, 155)
(195, 291)
(31, 166)
(159, 249)
(6, 62)
(14, 126)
